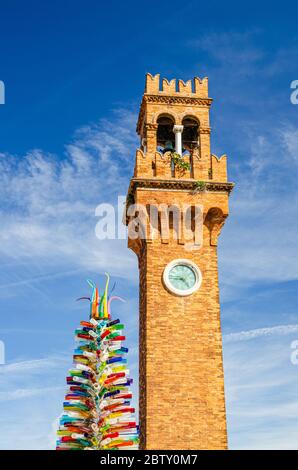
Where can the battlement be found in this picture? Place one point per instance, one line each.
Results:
(196, 88)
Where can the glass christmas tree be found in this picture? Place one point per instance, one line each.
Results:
(97, 412)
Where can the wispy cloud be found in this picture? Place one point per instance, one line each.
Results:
(260, 384)
(38, 279)
(31, 394)
(27, 393)
(256, 243)
(262, 160)
(34, 365)
(259, 332)
(49, 216)
(289, 136)
(233, 50)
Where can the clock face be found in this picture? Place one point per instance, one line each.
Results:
(182, 277)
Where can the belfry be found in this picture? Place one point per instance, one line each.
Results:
(177, 178)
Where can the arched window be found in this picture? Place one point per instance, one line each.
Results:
(165, 134)
(190, 140)
(190, 134)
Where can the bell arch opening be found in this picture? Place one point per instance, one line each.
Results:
(165, 135)
(190, 134)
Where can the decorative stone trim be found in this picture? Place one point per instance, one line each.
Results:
(151, 127)
(186, 100)
(204, 130)
(183, 184)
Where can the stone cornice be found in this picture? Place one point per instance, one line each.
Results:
(178, 184)
(173, 99)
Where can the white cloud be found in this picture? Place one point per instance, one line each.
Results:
(34, 365)
(289, 136)
(232, 50)
(258, 242)
(21, 393)
(260, 385)
(31, 396)
(259, 332)
(49, 215)
(41, 278)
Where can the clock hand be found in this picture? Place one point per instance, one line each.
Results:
(180, 279)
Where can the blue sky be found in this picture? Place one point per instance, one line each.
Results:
(74, 75)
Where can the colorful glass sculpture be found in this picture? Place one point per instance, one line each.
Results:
(97, 411)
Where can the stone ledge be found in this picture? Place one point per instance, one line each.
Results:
(177, 99)
(180, 184)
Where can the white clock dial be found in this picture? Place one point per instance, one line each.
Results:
(182, 277)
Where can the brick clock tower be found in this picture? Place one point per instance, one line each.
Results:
(182, 402)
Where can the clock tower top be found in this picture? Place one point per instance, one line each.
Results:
(174, 118)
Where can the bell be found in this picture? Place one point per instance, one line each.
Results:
(169, 147)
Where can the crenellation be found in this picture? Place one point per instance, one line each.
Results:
(141, 164)
(198, 87)
(219, 168)
(152, 83)
(168, 87)
(201, 87)
(185, 88)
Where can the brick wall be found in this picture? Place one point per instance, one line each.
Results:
(182, 403)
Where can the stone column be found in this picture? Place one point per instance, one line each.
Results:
(177, 129)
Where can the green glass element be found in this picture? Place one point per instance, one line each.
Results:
(118, 326)
(182, 277)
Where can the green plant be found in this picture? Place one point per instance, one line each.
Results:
(179, 162)
(200, 185)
